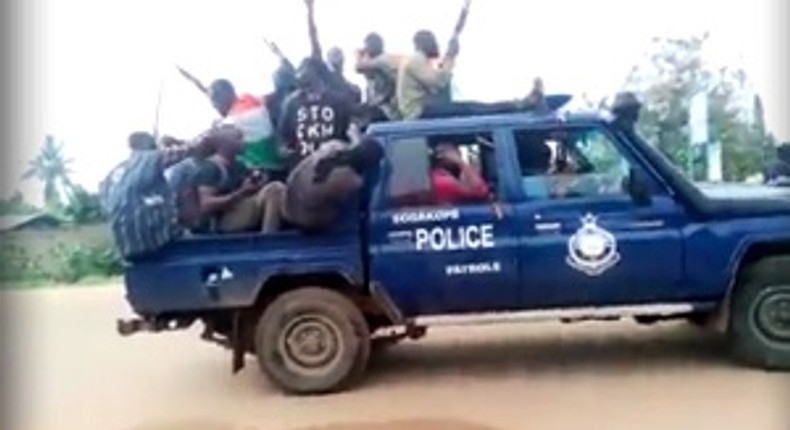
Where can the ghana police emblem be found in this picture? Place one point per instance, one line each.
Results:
(592, 250)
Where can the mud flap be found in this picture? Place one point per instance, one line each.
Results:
(384, 301)
(237, 342)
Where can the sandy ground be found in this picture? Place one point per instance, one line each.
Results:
(70, 370)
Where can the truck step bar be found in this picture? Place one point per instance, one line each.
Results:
(128, 327)
(569, 314)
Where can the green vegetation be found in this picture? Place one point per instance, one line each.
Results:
(81, 250)
(64, 256)
(668, 79)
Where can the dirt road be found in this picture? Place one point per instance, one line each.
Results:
(78, 374)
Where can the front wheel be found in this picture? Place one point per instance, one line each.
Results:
(760, 320)
(312, 341)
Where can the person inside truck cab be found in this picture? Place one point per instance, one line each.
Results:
(232, 197)
(454, 180)
(537, 162)
(563, 164)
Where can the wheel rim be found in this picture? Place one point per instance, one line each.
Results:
(311, 345)
(772, 313)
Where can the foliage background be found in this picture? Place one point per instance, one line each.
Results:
(668, 78)
(68, 255)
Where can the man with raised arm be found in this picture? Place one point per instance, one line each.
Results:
(422, 85)
(380, 69)
(334, 80)
(424, 79)
(249, 114)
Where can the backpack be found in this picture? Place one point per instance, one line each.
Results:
(140, 205)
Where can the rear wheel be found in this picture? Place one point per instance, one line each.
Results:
(760, 320)
(312, 341)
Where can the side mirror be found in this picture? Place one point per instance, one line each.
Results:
(638, 187)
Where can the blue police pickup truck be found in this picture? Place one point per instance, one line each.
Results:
(584, 221)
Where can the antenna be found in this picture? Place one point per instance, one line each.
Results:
(155, 131)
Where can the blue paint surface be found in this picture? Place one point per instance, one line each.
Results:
(667, 254)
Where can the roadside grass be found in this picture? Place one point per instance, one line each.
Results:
(40, 284)
(72, 255)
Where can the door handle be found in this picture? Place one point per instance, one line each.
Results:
(499, 212)
(548, 227)
(647, 224)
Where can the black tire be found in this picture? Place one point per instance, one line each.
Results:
(759, 329)
(324, 320)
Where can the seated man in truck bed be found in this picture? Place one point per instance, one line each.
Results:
(322, 184)
(233, 198)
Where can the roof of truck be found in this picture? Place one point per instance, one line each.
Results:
(488, 121)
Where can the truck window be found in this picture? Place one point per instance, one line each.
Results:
(570, 163)
(412, 160)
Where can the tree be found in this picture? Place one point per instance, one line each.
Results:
(84, 207)
(51, 168)
(673, 74)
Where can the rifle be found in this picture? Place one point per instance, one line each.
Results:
(460, 24)
(158, 110)
(191, 78)
(275, 50)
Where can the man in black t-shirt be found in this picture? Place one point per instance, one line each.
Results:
(233, 198)
(313, 115)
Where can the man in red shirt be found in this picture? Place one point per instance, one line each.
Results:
(455, 181)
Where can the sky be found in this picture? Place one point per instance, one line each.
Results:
(91, 71)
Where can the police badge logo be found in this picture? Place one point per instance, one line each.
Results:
(592, 250)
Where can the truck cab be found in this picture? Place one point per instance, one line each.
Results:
(583, 220)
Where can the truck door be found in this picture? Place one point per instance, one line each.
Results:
(441, 258)
(586, 239)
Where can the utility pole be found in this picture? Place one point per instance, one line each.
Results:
(155, 130)
(700, 139)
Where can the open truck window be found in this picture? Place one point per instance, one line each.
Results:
(411, 160)
(570, 163)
